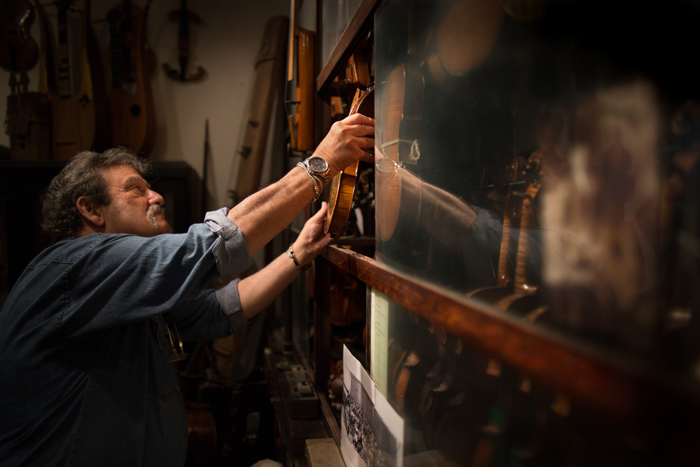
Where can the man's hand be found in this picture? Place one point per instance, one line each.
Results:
(348, 140)
(260, 289)
(311, 241)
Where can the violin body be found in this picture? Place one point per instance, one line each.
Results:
(18, 50)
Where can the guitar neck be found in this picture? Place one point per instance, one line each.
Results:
(521, 265)
(503, 275)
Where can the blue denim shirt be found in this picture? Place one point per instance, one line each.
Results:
(84, 372)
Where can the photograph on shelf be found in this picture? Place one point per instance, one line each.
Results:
(371, 430)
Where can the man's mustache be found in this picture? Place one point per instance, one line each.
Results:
(154, 210)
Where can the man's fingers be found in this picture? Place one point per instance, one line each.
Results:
(359, 119)
(366, 143)
(360, 125)
(362, 130)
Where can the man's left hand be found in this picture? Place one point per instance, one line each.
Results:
(312, 241)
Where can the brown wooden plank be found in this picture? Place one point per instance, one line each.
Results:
(269, 77)
(358, 26)
(616, 388)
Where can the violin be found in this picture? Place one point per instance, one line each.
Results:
(342, 187)
(18, 50)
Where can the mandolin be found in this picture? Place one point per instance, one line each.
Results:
(342, 186)
(132, 63)
(18, 50)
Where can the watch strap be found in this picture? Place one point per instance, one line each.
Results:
(318, 183)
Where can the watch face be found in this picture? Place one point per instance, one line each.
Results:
(318, 164)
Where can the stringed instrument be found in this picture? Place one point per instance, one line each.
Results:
(523, 298)
(342, 186)
(18, 50)
(73, 115)
(183, 16)
(301, 65)
(511, 220)
(131, 104)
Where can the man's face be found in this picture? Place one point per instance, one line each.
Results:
(135, 208)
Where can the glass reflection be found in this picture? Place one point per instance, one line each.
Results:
(541, 157)
(530, 158)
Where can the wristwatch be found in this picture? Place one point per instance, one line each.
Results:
(318, 168)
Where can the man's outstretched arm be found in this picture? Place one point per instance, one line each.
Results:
(265, 213)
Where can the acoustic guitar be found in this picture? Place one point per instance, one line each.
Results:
(132, 63)
(342, 186)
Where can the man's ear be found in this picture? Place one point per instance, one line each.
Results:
(91, 213)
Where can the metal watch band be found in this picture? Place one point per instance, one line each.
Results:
(290, 253)
(318, 184)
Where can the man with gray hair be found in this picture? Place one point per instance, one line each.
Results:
(88, 332)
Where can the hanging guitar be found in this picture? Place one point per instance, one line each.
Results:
(342, 186)
(73, 115)
(132, 63)
(183, 16)
(18, 50)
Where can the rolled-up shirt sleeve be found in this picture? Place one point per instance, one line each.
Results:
(230, 303)
(230, 249)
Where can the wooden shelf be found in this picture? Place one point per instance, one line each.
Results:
(637, 399)
(359, 25)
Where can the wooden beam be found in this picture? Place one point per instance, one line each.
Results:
(624, 391)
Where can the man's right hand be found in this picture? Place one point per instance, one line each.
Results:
(349, 140)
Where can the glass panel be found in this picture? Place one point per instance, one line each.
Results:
(336, 16)
(541, 157)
